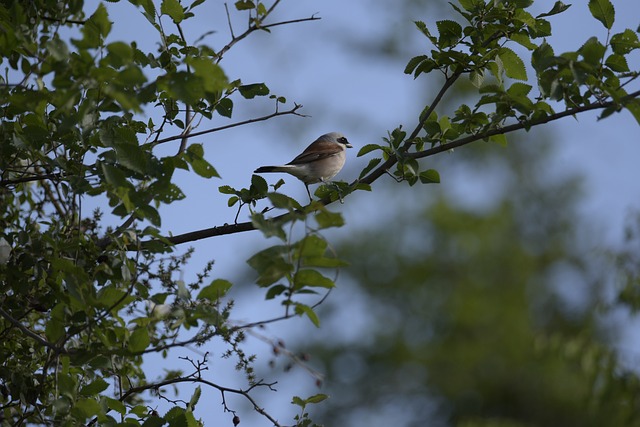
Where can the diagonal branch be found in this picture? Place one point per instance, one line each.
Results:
(378, 172)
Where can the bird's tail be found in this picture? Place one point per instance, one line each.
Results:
(264, 169)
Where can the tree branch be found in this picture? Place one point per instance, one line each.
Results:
(381, 170)
(293, 111)
(221, 389)
(30, 333)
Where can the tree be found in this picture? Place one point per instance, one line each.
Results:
(466, 322)
(84, 302)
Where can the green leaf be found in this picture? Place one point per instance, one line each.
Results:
(115, 405)
(275, 290)
(625, 42)
(543, 57)
(194, 156)
(211, 74)
(317, 398)
(592, 51)
(173, 9)
(450, 33)
(132, 157)
(252, 90)
(558, 7)
(150, 213)
(268, 227)
(226, 189)
(425, 31)
(617, 63)
(471, 5)
(224, 107)
(327, 219)
(86, 408)
(500, 139)
(100, 21)
(282, 201)
(194, 399)
(367, 149)
(244, 5)
(603, 11)
(311, 278)
(259, 185)
(55, 328)
(94, 388)
(372, 164)
(216, 290)
(513, 65)
(477, 78)
(270, 265)
(430, 176)
(305, 309)
(634, 108)
(139, 340)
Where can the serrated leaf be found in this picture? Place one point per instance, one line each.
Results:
(603, 11)
(450, 33)
(477, 78)
(617, 63)
(259, 184)
(513, 65)
(543, 57)
(592, 51)
(425, 31)
(625, 42)
(194, 398)
(173, 9)
(94, 388)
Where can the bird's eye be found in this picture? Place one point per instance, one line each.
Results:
(343, 140)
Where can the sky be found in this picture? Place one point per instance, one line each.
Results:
(329, 67)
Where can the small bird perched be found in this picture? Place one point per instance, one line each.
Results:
(319, 162)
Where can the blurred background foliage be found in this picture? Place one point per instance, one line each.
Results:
(498, 314)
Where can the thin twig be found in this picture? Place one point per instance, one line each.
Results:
(293, 111)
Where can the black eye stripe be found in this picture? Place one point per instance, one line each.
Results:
(343, 140)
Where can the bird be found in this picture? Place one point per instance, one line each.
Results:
(319, 162)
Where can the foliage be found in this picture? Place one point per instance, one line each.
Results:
(83, 302)
(467, 323)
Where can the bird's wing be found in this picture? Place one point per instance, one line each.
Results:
(316, 151)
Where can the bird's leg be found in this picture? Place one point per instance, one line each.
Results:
(308, 192)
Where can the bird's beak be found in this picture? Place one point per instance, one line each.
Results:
(348, 145)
